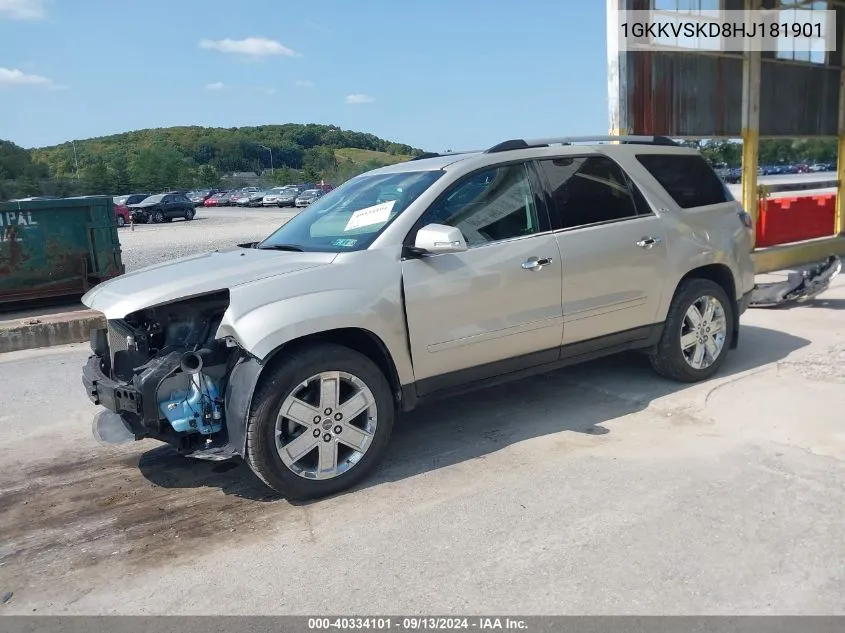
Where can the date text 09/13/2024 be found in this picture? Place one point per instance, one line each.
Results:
(416, 623)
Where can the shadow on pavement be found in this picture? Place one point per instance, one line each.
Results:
(165, 467)
(458, 429)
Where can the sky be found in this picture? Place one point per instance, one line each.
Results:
(435, 74)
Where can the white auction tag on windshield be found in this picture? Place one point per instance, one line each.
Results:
(376, 214)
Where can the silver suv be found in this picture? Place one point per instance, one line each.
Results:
(416, 281)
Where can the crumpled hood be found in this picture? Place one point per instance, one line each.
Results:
(195, 275)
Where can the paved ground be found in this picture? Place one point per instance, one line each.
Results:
(210, 229)
(600, 489)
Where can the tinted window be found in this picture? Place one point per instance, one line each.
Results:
(495, 204)
(588, 190)
(688, 179)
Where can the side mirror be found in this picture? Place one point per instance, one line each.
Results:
(438, 238)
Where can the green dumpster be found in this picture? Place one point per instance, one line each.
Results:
(51, 248)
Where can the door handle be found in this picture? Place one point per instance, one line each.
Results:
(648, 242)
(536, 263)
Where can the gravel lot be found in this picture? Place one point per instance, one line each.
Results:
(209, 230)
(600, 489)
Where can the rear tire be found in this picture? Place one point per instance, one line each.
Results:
(690, 352)
(189, 214)
(325, 370)
(120, 221)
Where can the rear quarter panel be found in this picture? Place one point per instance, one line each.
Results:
(697, 237)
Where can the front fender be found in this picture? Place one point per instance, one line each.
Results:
(265, 328)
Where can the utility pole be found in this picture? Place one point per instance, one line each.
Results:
(272, 171)
(75, 161)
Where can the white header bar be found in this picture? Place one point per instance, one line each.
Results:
(808, 32)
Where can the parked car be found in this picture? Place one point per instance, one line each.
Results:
(199, 196)
(252, 199)
(287, 198)
(272, 196)
(130, 199)
(241, 195)
(733, 176)
(308, 196)
(298, 352)
(122, 214)
(162, 207)
(215, 200)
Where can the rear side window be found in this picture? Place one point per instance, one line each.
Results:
(688, 179)
(590, 190)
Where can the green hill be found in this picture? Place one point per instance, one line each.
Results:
(190, 156)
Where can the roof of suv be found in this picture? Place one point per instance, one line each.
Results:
(537, 148)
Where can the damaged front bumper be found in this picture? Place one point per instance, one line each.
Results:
(161, 374)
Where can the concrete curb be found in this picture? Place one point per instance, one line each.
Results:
(45, 331)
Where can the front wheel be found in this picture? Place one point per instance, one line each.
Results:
(120, 221)
(158, 217)
(697, 334)
(319, 422)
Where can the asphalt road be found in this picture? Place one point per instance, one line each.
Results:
(596, 490)
(209, 230)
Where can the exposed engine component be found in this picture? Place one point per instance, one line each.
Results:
(200, 407)
(798, 287)
(168, 372)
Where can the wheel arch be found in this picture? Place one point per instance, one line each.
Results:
(721, 275)
(357, 339)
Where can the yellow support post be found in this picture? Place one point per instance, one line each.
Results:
(751, 63)
(750, 153)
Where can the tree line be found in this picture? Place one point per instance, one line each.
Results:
(772, 151)
(188, 157)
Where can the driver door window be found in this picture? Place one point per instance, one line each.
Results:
(489, 206)
(489, 309)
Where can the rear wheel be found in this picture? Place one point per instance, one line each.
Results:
(320, 422)
(697, 334)
(189, 214)
(120, 221)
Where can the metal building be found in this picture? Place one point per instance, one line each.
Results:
(718, 91)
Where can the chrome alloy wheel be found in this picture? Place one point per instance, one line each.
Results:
(325, 425)
(703, 332)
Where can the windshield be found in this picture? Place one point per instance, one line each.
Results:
(156, 198)
(350, 217)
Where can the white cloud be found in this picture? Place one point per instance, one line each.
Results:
(304, 83)
(23, 9)
(267, 91)
(10, 77)
(217, 85)
(251, 46)
(359, 98)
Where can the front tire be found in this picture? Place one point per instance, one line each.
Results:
(697, 334)
(158, 217)
(120, 221)
(319, 422)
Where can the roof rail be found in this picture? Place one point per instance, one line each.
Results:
(425, 155)
(519, 143)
